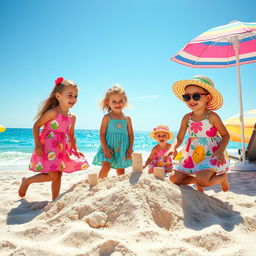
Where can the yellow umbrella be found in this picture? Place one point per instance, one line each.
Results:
(2, 128)
(233, 126)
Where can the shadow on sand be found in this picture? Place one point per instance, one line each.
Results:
(204, 211)
(25, 212)
(134, 177)
(240, 183)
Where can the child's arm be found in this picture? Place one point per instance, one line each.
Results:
(180, 136)
(103, 128)
(131, 137)
(218, 124)
(150, 157)
(46, 117)
(72, 136)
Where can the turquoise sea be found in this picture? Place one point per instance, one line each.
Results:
(17, 144)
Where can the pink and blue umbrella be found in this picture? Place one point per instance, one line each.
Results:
(215, 47)
(224, 46)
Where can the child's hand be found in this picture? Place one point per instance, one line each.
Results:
(39, 150)
(170, 152)
(129, 153)
(78, 153)
(107, 153)
(220, 156)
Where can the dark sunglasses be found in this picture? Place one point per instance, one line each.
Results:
(195, 96)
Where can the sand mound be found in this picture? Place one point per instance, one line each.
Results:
(136, 214)
(149, 202)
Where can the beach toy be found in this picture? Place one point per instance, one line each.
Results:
(137, 162)
(159, 172)
(93, 179)
(2, 128)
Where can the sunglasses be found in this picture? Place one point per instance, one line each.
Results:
(195, 96)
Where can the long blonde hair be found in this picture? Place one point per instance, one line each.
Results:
(116, 89)
(51, 101)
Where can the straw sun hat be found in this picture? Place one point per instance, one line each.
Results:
(161, 128)
(215, 103)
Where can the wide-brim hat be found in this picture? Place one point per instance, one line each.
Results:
(217, 100)
(161, 128)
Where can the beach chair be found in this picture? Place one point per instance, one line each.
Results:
(250, 152)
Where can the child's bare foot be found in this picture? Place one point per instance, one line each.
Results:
(225, 184)
(23, 187)
(199, 188)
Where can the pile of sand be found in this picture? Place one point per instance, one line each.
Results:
(135, 214)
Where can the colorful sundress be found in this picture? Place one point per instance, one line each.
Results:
(117, 140)
(196, 154)
(58, 153)
(160, 161)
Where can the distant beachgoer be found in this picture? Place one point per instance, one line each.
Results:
(116, 134)
(55, 146)
(203, 160)
(156, 158)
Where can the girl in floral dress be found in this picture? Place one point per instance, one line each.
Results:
(203, 160)
(156, 158)
(55, 146)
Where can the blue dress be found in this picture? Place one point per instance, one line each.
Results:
(117, 140)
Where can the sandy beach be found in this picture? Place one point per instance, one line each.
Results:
(135, 214)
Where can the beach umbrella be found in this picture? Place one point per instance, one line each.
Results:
(233, 126)
(2, 128)
(224, 46)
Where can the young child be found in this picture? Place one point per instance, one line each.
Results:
(55, 146)
(116, 134)
(156, 158)
(203, 156)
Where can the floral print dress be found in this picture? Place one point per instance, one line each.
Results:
(196, 154)
(160, 161)
(58, 153)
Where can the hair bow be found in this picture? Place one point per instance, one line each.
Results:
(59, 80)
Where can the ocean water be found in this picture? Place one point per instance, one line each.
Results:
(16, 146)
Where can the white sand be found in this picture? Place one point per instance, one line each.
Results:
(138, 214)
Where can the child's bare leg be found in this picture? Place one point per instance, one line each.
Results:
(120, 171)
(56, 183)
(199, 188)
(41, 177)
(208, 178)
(104, 169)
(180, 178)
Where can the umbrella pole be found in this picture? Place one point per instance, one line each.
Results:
(236, 48)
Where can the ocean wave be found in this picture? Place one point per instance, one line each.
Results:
(14, 158)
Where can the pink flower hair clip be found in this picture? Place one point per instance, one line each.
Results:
(58, 81)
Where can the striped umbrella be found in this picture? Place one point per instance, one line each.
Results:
(233, 125)
(224, 46)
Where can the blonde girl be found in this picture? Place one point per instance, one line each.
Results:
(203, 160)
(55, 146)
(116, 134)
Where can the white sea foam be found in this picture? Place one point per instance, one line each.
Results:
(14, 158)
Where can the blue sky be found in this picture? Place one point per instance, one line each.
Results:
(100, 43)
